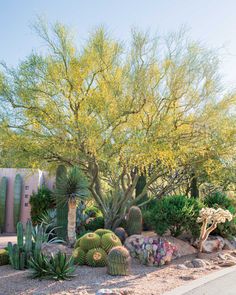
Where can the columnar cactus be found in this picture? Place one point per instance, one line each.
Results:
(118, 261)
(61, 208)
(20, 253)
(134, 221)
(210, 217)
(17, 197)
(3, 196)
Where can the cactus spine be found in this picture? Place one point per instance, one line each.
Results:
(134, 221)
(17, 197)
(62, 209)
(118, 261)
(3, 196)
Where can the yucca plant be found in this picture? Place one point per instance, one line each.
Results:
(72, 186)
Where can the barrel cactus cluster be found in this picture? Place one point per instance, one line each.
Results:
(151, 251)
(92, 248)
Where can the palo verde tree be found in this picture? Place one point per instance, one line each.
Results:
(116, 111)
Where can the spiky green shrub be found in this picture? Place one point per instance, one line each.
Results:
(90, 241)
(4, 257)
(57, 267)
(118, 261)
(96, 257)
(109, 241)
(102, 231)
(134, 221)
(79, 256)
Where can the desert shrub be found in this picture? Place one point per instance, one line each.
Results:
(40, 202)
(219, 200)
(176, 214)
(93, 211)
(95, 223)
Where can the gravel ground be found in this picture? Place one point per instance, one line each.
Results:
(143, 281)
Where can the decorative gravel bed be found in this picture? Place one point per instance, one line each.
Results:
(143, 281)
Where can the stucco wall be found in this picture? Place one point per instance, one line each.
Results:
(32, 179)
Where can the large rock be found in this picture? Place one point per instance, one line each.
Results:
(228, 245)
(50, 248)
(183, 248)
(152, 251)
(213, 244)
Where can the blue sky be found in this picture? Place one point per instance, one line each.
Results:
(211, 21)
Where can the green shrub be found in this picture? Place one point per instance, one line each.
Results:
(4, 257)
(176, 214)
(40, 202)
(94, 224)
(219, 200)
(93, 211)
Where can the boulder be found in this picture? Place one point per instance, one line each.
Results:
(228, 245)
(183, 248)
(53, 248)
(213, 244)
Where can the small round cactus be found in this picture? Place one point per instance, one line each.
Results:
(79, 256)
(118, 261)
(109, 241)
(90, 241)
(121, 234)
(134, 221)
(96, 257)
(102, 231)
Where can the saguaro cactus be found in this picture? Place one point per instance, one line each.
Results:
(134, 221)
(17, 197)
(61, 208)
(3, 196)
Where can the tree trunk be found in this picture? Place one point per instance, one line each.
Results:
(71, 222)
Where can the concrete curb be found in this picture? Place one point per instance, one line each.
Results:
(200, 282)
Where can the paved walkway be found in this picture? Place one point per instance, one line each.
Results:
(220, 282)
(4, 239)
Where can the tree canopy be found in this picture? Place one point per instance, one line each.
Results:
(154, 106)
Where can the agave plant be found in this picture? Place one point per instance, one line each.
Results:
(70, 187)
(57, 267)
(47, 233)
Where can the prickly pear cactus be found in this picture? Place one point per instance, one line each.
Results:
(118, 261)
(17, 198)
(134, 221)
(61, 209)
(3, 196)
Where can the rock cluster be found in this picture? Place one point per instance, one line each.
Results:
(152, 251)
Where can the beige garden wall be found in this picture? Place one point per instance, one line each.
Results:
(32, 179)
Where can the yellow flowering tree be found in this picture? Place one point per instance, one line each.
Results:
(116, 111)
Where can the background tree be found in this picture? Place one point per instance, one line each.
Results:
(116, 111)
